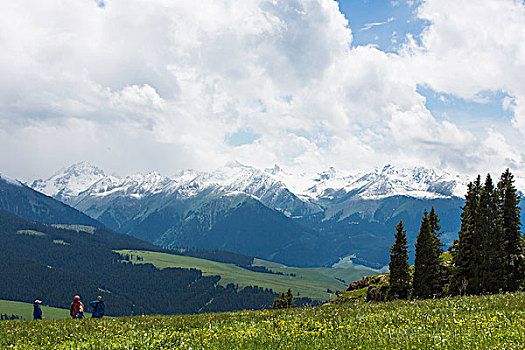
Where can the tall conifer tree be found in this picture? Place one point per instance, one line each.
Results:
(438, 283)
(427, 276)
(399, 277)
(436, 231)
(509, 220)
(467, 252)
(492, 243)
(463, 248)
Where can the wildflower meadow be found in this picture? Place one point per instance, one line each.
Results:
(486, 322)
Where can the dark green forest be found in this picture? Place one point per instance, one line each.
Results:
(42, 261)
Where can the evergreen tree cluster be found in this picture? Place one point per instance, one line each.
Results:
(487, 257)
(488, 254)
(427, 281)
(427, 278)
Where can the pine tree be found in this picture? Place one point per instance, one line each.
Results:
(509, 220)
(288, 297)
(467, 252)
(278, 303)
(399, 277)
(441, 273)
(492, 243)
(427, 265)
(284, 301)
(435, 227)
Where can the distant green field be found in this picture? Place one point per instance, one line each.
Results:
(312, 283)
(346, 274)
(26, 310)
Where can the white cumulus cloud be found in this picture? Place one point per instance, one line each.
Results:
(162, 85)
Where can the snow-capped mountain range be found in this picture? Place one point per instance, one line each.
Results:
(417, 182)
(296, 219)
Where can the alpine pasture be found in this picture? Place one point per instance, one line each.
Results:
(476, 322)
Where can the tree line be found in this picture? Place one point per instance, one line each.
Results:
(487, 257)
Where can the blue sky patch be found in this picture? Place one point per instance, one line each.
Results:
(383, 23)
(242, 137)
(486, 111)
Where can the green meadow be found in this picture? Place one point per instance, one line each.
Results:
(26, 310)
(488, 322)
(308, 282)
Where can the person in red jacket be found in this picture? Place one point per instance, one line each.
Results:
(76, 310)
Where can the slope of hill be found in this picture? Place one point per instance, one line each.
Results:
(243, 224)
(25, 310)
(312, 283)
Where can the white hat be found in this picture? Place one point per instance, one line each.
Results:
(38, 301)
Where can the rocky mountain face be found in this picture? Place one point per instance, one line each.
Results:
(295, 219)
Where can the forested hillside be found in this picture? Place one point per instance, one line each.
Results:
(41, 261)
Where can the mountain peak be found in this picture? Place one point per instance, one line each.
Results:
(70, 181)
(83, 168)
(236, 164)
(386, 168)
(327, 174)
(274, 171)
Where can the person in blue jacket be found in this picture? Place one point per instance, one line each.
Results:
(98, 307)
(37, 311)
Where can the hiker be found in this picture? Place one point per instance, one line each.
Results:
(98, 307)
(37, 311)
(76, 310)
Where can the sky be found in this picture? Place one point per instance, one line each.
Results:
(165, 85)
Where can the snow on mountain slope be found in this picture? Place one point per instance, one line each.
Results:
(273, 186)
(235, 177)
(134, 186)
(69, 182)
(238, 177)
(417, 182)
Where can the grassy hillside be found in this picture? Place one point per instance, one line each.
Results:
(309, 282)
(490, 322)
(26, 310)
(348, 275)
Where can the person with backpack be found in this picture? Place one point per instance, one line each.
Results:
(98, 307)
(76, 310)
(37, 311)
